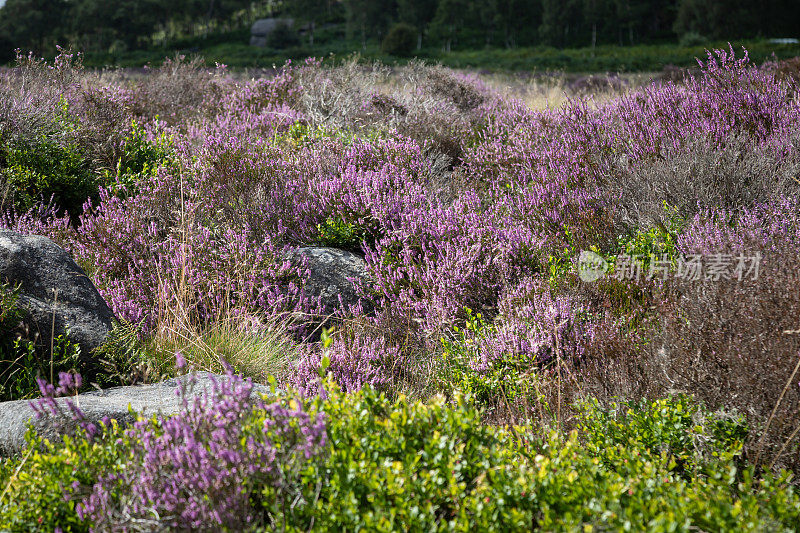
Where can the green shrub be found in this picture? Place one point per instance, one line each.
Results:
(400, 41)
(692, 38)
(389, 465)
(46, 169)
(140, 160)
(658, 241)
(505, 380)
(402, 465)
(51, 480)
(21, 362)
(338, 233)
(47, 165)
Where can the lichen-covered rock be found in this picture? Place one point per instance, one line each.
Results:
(55, 293)
(159, 398)
(262, 28)
(334, 276)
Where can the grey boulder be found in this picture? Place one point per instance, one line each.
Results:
(148, 400)
(55, 292)
(334, 277)
(262, 28)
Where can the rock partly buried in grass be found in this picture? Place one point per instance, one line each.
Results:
(159, 398)
(261, 30)
(54, 293)
(333, 277)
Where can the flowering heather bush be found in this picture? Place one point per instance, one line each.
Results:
(457, 199)
(735, 344)
(198, 469)
(387, 464)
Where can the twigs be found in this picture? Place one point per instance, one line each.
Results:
(759, 447)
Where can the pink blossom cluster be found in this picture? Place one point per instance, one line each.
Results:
(212, 228)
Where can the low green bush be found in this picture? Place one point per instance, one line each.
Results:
(692, 39)
(141, 158)
(46, 165)
(398, 464)
(666, 465)
(339, 233)
(46, 169)
(41, 490)
(505, 380)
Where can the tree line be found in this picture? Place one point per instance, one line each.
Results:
(104, 25)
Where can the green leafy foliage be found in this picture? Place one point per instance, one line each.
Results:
(674, 426)
(40, 491)
(659, 241)
(47, 165)
(505, 380)
(46, 169)
(141, 158)
(22, 361)
(339, 233)
(398, 464)
(405, 465)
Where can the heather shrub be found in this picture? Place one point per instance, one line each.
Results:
(789, 69)
(103, 115)
(422, 103)
(243, 446)
(465, 369)
(179, 90)
(739, 173)
(471, 212)
(358, 356)
(199, 468)
(732, 342)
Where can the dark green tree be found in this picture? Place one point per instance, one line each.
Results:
(309, 11)
(34, 25)
(560, 21)
(718, 19)
(518, 21)
(450, 20)
(101, 24)
(368, 18)
(417, 13)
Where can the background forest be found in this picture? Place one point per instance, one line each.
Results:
(103, 26)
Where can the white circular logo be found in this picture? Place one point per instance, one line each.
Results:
(591, 266)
